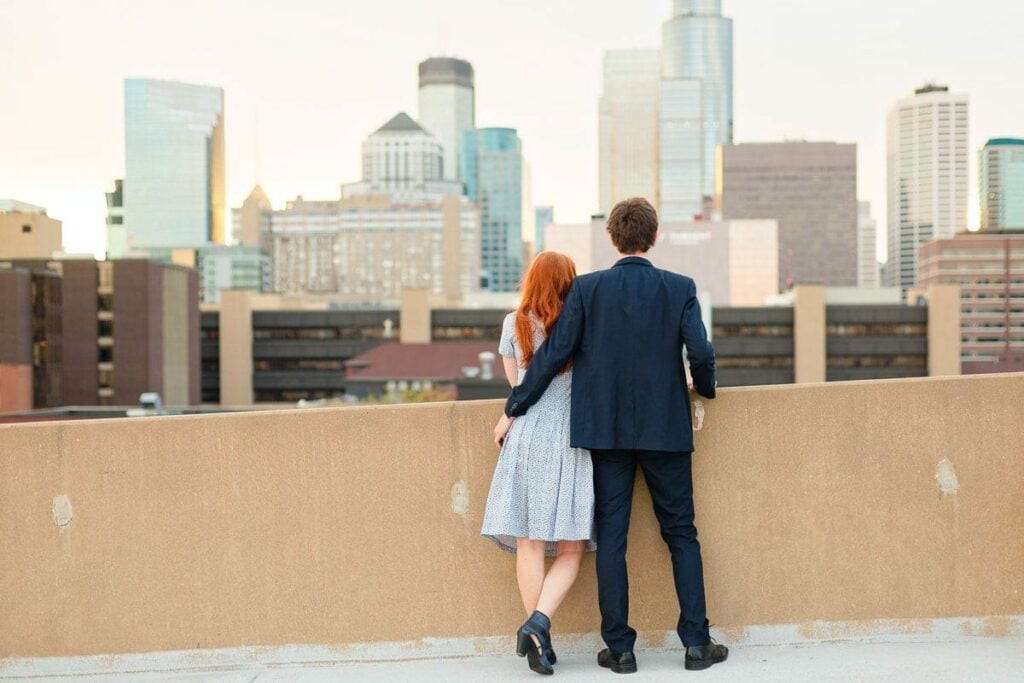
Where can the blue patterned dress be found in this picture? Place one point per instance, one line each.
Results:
(542, 489)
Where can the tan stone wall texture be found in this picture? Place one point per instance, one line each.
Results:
(847, 501)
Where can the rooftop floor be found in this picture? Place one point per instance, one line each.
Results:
(970, 659)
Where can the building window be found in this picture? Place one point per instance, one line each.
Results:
(26, 228)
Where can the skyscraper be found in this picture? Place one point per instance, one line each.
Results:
(174, 164)
(1001, 184)
(867, 236)
(447, 105)
(401, 159)
(248, 220)
(492, 167)
(628, 127)
(926, 147)
(810, 188)
(696, 105)
(543, 216)
(403, 226)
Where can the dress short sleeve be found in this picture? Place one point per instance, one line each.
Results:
(506, 347)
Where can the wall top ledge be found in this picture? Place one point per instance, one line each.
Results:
(993, 379)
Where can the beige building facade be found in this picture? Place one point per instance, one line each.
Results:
(734, 262)
(247, 220)
(368, 248)
(27, 232)
(628, 127)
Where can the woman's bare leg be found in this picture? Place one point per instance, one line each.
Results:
(529, 571)
(560, 576)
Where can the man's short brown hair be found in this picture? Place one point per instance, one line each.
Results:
(633, 225)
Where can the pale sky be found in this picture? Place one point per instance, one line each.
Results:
(320, 75)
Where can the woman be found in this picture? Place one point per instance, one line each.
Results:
(541, 501)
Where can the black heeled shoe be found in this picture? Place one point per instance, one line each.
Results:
(538, 625)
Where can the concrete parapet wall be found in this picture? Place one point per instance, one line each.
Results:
(847, 502)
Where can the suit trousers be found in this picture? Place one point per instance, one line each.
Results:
(669, 479)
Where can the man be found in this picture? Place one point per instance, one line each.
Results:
(625, 329)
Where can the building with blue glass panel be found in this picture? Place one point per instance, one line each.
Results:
(696, 103)
(173, 192)
(492, 168)
(1001, 184)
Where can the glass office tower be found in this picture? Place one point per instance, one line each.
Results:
(174, 164)
(492, 168)
(696, 104)
(1001, 184)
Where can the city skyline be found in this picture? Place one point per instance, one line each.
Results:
(313, 112)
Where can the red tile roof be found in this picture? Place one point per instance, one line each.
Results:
(437, 361)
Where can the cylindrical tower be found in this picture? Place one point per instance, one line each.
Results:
(447, 105)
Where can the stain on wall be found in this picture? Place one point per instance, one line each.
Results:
(946, 477)
(61, 511)
(460, 498)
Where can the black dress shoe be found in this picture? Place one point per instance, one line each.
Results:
(703, 656)
(620, 663)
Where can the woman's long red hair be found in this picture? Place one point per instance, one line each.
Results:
(545, 287)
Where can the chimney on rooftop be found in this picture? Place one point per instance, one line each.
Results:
(487, 365)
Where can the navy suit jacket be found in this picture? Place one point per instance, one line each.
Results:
(624, 329)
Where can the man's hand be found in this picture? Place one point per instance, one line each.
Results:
(501, 429)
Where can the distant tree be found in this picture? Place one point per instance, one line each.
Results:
(431, 395)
